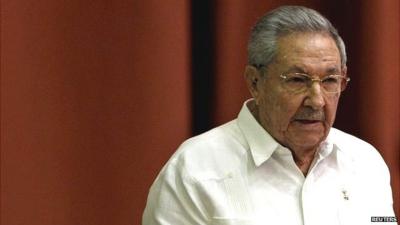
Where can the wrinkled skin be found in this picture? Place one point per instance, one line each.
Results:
(299, 121)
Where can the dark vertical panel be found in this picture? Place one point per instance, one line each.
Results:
(202, 64)
(345, 16)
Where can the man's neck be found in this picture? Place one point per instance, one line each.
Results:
(303, 158)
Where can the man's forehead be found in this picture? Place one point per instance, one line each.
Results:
(301, 49)
(303, 68)
(298, 43)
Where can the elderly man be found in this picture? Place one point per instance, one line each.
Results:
(280, 161)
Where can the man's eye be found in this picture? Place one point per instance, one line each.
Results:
(330, 80)
(297, 80)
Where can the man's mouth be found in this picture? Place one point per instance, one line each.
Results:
(308, 116)
(307, 121)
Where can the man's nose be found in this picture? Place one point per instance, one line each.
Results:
(315, 98)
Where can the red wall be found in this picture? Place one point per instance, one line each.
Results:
(94, 99)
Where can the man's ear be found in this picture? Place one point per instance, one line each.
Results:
(252, 77)
(344, 71)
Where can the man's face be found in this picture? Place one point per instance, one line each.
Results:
(298, 120)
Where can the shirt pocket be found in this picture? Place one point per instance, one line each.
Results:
(226, 199)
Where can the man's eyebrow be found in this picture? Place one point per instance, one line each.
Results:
(333, 70)
(299, 69)
(296, 69)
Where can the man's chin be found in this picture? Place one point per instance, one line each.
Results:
(308, 139)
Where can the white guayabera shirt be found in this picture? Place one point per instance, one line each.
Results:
(237, 174)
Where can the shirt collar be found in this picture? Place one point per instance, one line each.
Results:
(325, 148)
(262, 145)
(338, 142)
(260, 142)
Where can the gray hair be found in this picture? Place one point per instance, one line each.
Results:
(262, 46)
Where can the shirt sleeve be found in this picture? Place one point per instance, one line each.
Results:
(173, 200)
